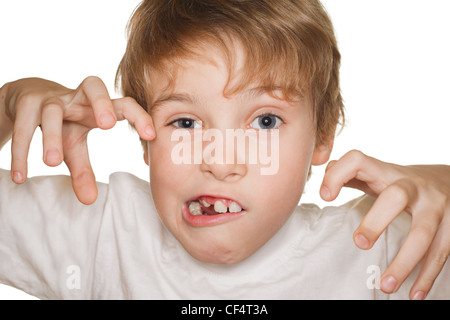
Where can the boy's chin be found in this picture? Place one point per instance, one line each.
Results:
(219, 254)
(228, 258)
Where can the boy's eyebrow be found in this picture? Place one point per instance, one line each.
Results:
(177, 97)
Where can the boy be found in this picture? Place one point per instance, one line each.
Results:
(199, 65)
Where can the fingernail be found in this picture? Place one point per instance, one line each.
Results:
(362, 241)
(106, 119)
(52, 156)
(419, 295)
(388, 284)
(325, 193)
(17, 177)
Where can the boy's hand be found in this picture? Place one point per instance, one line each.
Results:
(422, 191)
(66, 116)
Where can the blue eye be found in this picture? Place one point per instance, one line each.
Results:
(266, 121)
(186, 123)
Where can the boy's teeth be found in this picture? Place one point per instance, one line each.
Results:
(220, 207)
(234, 207)
(195, 208)
(204, 203)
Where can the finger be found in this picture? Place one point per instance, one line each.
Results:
(353, 165)
(127, 108)
(83, 180)
(388, 205)
(51, 125)
(434, 262)
(81, 115)
(98, 97)
(330, 164)
(24, 127)
(413, 250)
(360, 185)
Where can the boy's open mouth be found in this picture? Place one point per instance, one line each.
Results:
(206, 205)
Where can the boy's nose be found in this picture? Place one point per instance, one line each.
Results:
(224, 171)
(223, 157)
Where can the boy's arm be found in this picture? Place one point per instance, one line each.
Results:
(47, 237)
(6, 125)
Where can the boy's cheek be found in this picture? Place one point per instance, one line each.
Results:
(159, 150)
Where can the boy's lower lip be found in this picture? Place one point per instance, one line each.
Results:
(208, 220)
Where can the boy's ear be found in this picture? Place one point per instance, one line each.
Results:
(322, 152)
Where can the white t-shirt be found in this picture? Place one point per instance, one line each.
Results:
(53, 247)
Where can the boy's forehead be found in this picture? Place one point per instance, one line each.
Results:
(208, 64)
(183, 70)
(181, 85)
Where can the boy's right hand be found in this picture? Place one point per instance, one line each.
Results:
(66, 116)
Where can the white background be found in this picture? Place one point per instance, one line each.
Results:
(395, 78)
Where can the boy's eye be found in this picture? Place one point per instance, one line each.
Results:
(186, 123)
(266, 121)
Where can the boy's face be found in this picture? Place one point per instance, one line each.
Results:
(197, 104)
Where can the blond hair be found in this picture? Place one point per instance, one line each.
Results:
(289, 45)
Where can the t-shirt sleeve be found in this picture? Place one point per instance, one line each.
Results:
(48, 239)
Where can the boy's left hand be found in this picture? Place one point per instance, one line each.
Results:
(422, 191)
